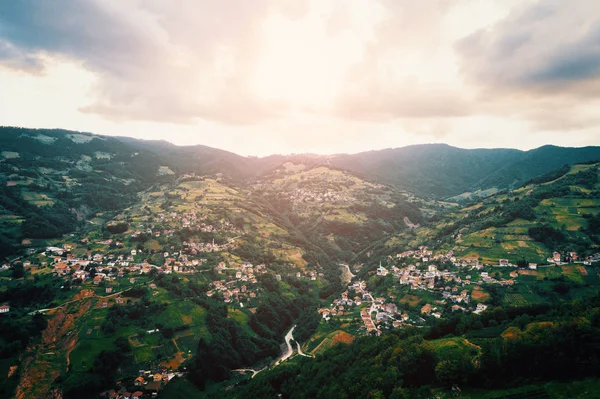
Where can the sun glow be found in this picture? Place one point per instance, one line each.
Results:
(296, 64)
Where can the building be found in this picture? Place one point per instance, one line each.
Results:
(4, 309)
(426, 309)
(503, 262)
(556, 257)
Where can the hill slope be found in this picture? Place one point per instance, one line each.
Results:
(558, 212)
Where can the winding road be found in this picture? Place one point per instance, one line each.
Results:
(288, 353)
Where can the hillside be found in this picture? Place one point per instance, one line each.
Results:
(195, 260)
(443, 171)
(54, 181)
(555, 212)
(202, 266)
(334, 209)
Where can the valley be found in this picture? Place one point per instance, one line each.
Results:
(141, 268)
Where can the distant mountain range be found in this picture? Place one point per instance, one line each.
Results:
(436, 170)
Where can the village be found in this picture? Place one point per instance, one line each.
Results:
(443, 291)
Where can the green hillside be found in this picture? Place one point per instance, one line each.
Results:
(528, 223)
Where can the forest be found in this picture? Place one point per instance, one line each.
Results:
(533, 344)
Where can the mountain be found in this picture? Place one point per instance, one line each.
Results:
(143, 255)
(57, 179)
(441, 170)
(554, 212)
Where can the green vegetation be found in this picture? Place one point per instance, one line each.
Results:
(204, 259)
(526, 344)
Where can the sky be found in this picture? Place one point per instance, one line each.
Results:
(260, 77)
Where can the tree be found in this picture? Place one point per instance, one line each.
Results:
(18, 270)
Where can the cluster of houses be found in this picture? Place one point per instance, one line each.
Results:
(558, 258)
(357, 295)
(448, 285)
(238, 283)
(193, 219)
(305, 195)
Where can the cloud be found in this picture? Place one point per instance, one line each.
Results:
(15, 58)
(406, 70)
(540, 64)
(305, 75)
(153, 61)
(545, 46)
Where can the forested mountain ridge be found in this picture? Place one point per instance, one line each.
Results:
(441, 170)
(55, 180)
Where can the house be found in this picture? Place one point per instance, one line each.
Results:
(137, 394)
(426, 309)
(61, 269)
(139, 381)
(503, 262)
(108, 290)
(4, 309)
(157, 377)
(556, 257)
(391, 308)
(480, 308)
(97, 279)
(532, 266)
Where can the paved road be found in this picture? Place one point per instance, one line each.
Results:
(289, 351)
(284, 357)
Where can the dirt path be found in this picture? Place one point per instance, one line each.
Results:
(347, 275)
(49, 358)
(77, 298)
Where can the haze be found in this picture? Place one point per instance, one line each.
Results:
(262, 77)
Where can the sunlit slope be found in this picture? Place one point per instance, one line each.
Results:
(335, 209)
(528, 223)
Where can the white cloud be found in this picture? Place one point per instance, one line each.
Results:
(308, 75)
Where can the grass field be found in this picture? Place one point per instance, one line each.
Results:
(181, 313)
(412, 300)
(242, 319)
(479, 295)
(82, 357)
(515, 300)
